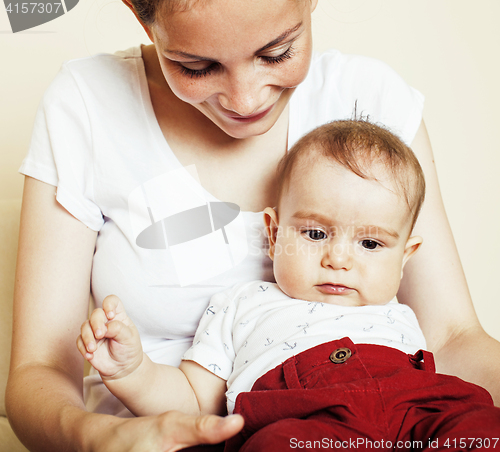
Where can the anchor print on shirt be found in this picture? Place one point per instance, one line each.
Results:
(314, 305)
(215, 367)
(229, 396)
(403, 339)
(290, 347)
(304, 327)
(269, 342)
(262, 288)
(210, 310)
(388, 314)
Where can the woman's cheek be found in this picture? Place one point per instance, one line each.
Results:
(187, 89)
(298, 66)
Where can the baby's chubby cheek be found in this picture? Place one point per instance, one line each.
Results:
(288, 280)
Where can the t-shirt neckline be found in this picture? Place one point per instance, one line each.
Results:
(162, 141)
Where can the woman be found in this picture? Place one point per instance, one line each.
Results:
(217, 88)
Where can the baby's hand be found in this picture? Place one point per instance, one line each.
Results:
(110, 341)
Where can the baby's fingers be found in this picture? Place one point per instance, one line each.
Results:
(86, 342)
(112, 306)
(121, 333)
(83, 350)
(98, 321)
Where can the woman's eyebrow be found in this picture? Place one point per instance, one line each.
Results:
(189, 55)
(281, 37)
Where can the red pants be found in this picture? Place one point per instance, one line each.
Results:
(376, 398)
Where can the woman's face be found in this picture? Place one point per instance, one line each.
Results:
(239, 61)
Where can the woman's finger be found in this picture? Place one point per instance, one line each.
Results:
(209, 429)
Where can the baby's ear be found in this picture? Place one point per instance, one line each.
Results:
(411, 247)
(272, 224)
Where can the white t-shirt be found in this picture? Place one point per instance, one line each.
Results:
(250, 329)
(97, 140)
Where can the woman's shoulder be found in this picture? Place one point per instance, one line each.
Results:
(340, 86)
(102, 74)
(333, 68)
(104, 60)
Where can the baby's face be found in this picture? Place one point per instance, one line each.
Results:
(338, 238)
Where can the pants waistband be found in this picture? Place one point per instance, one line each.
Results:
(343, 355)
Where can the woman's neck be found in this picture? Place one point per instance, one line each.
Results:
(231, 169)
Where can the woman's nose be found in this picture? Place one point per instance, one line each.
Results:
(338, 256)
(243, 92)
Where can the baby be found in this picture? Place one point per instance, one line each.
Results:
(326, 357)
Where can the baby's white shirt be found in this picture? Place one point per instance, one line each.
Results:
(253, 327)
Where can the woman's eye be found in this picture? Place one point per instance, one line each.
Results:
(203, 72)
(197, 73)
(316, 234)
(288, 53)
(369, 244)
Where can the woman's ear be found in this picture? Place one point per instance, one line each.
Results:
(314, 3)
(411, 247)
(272, 224)
(128, 3)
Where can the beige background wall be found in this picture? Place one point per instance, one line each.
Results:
(448, 49)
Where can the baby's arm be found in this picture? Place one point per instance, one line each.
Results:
(110, 342)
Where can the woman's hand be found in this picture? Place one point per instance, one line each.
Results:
(110, 341)
(167, 432)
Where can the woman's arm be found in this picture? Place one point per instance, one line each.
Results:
(44, 394)
(434, 286)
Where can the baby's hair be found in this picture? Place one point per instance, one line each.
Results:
(358, 144)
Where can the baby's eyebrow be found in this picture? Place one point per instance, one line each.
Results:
(380, 230)
(306, 215)
(362, 230)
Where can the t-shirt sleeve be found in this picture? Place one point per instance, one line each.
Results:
(60, 152)
(213, 345)
(383, 96)
(341, 86)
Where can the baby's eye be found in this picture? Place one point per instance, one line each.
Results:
(316, 234)
(369, 244)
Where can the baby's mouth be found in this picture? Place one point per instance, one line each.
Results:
(334, 289)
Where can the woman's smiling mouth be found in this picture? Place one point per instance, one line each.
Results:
(250, 118)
